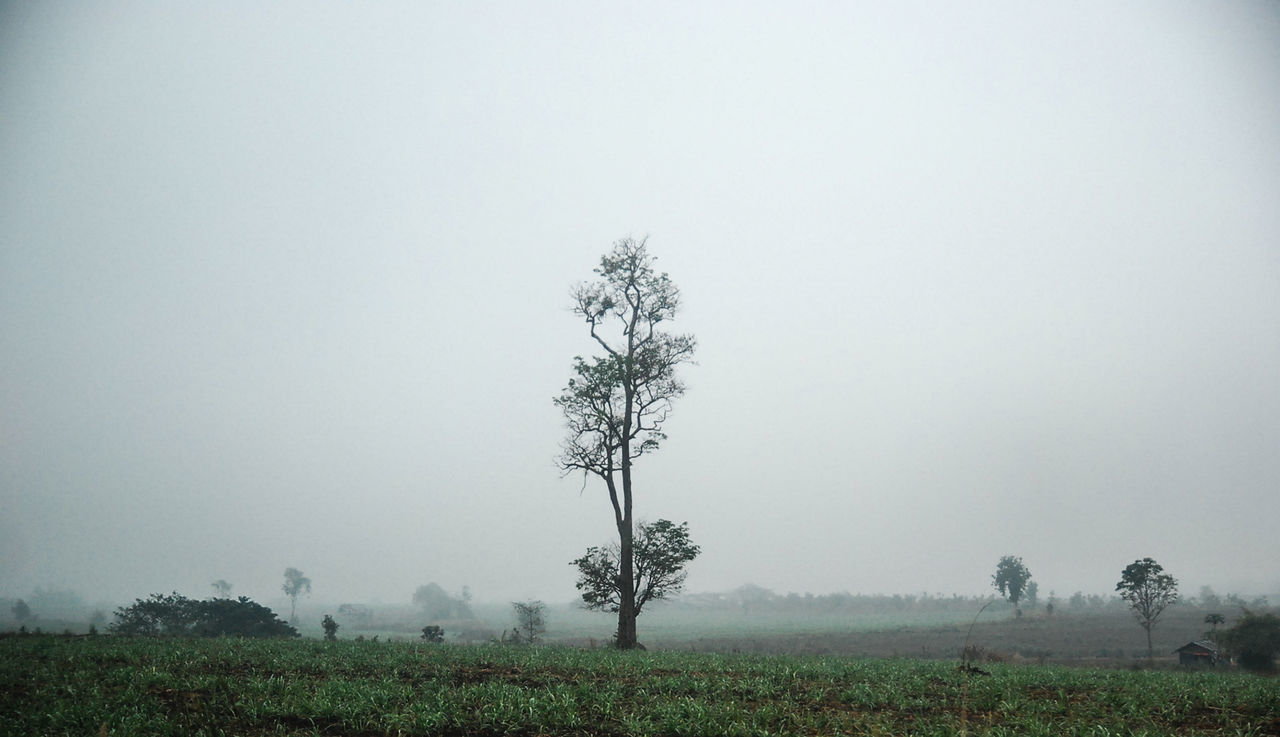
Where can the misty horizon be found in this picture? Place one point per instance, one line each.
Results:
(289, 286)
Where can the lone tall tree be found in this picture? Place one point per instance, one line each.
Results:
(616, 403)
(1011, 580)
(295, 585)
(1148, 590)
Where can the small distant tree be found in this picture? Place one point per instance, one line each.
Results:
(330, 628)
(221, 589)
(433, 633)
(1255, 640)
(1213, 620)
(1032, 594)
(661, 551)
(295, 585)
(21, 611)
(1011, 579)
(1149, 591)
(436, 604)
(530, 620)
(1208, 597)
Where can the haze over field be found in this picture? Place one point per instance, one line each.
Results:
(288, 285)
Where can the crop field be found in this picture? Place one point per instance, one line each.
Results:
(136, 686)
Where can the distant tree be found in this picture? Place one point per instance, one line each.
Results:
(295, 585)
(437, 605)
(530, 620)
(661, 551)
(1255, 640)
(356, 613)
(221, 589)
(1213, 620)
(1208, 598)
(1032, 594)
(1149, 591)
(753, 598)
(176, 615)
(433, 633)
(330, 628)
(616, 404)
(21, 611)
(1011, 579)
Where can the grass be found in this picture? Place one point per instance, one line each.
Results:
(117, 686)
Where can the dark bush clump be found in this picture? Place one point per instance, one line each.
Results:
(175, 615)
(1255, 640)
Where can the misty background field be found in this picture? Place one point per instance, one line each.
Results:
(288, 285)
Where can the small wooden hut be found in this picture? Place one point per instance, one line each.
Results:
(1198, 653)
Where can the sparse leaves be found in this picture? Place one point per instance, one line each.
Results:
(623, 397)
(295, 585)
(530, 620)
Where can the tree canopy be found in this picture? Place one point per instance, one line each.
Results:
(1011, 579)
(662, 549)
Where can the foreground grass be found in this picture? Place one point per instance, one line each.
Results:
(115, 686)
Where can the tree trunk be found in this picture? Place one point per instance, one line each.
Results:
(1151, 653)
(627, 589)
(626, 566)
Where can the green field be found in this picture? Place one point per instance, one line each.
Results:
(135, 686)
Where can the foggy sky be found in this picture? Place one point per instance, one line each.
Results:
(288, 285)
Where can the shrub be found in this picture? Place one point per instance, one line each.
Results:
(330, 628)
(176, 615)
(1255, 640)
(433, 633)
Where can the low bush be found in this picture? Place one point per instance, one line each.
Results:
(175, 615)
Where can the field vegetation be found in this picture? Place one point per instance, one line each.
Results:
(221, 686)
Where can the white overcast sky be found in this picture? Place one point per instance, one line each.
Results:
(286, 284)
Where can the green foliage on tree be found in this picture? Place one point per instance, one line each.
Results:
(1149, 591)
(295, 585)
(330, 628)
(433, 633)
(21, 611)
(175, 615)
(221, 589)
(661, 552)
(616, 403)
(1254, 640)
(1011, 579)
